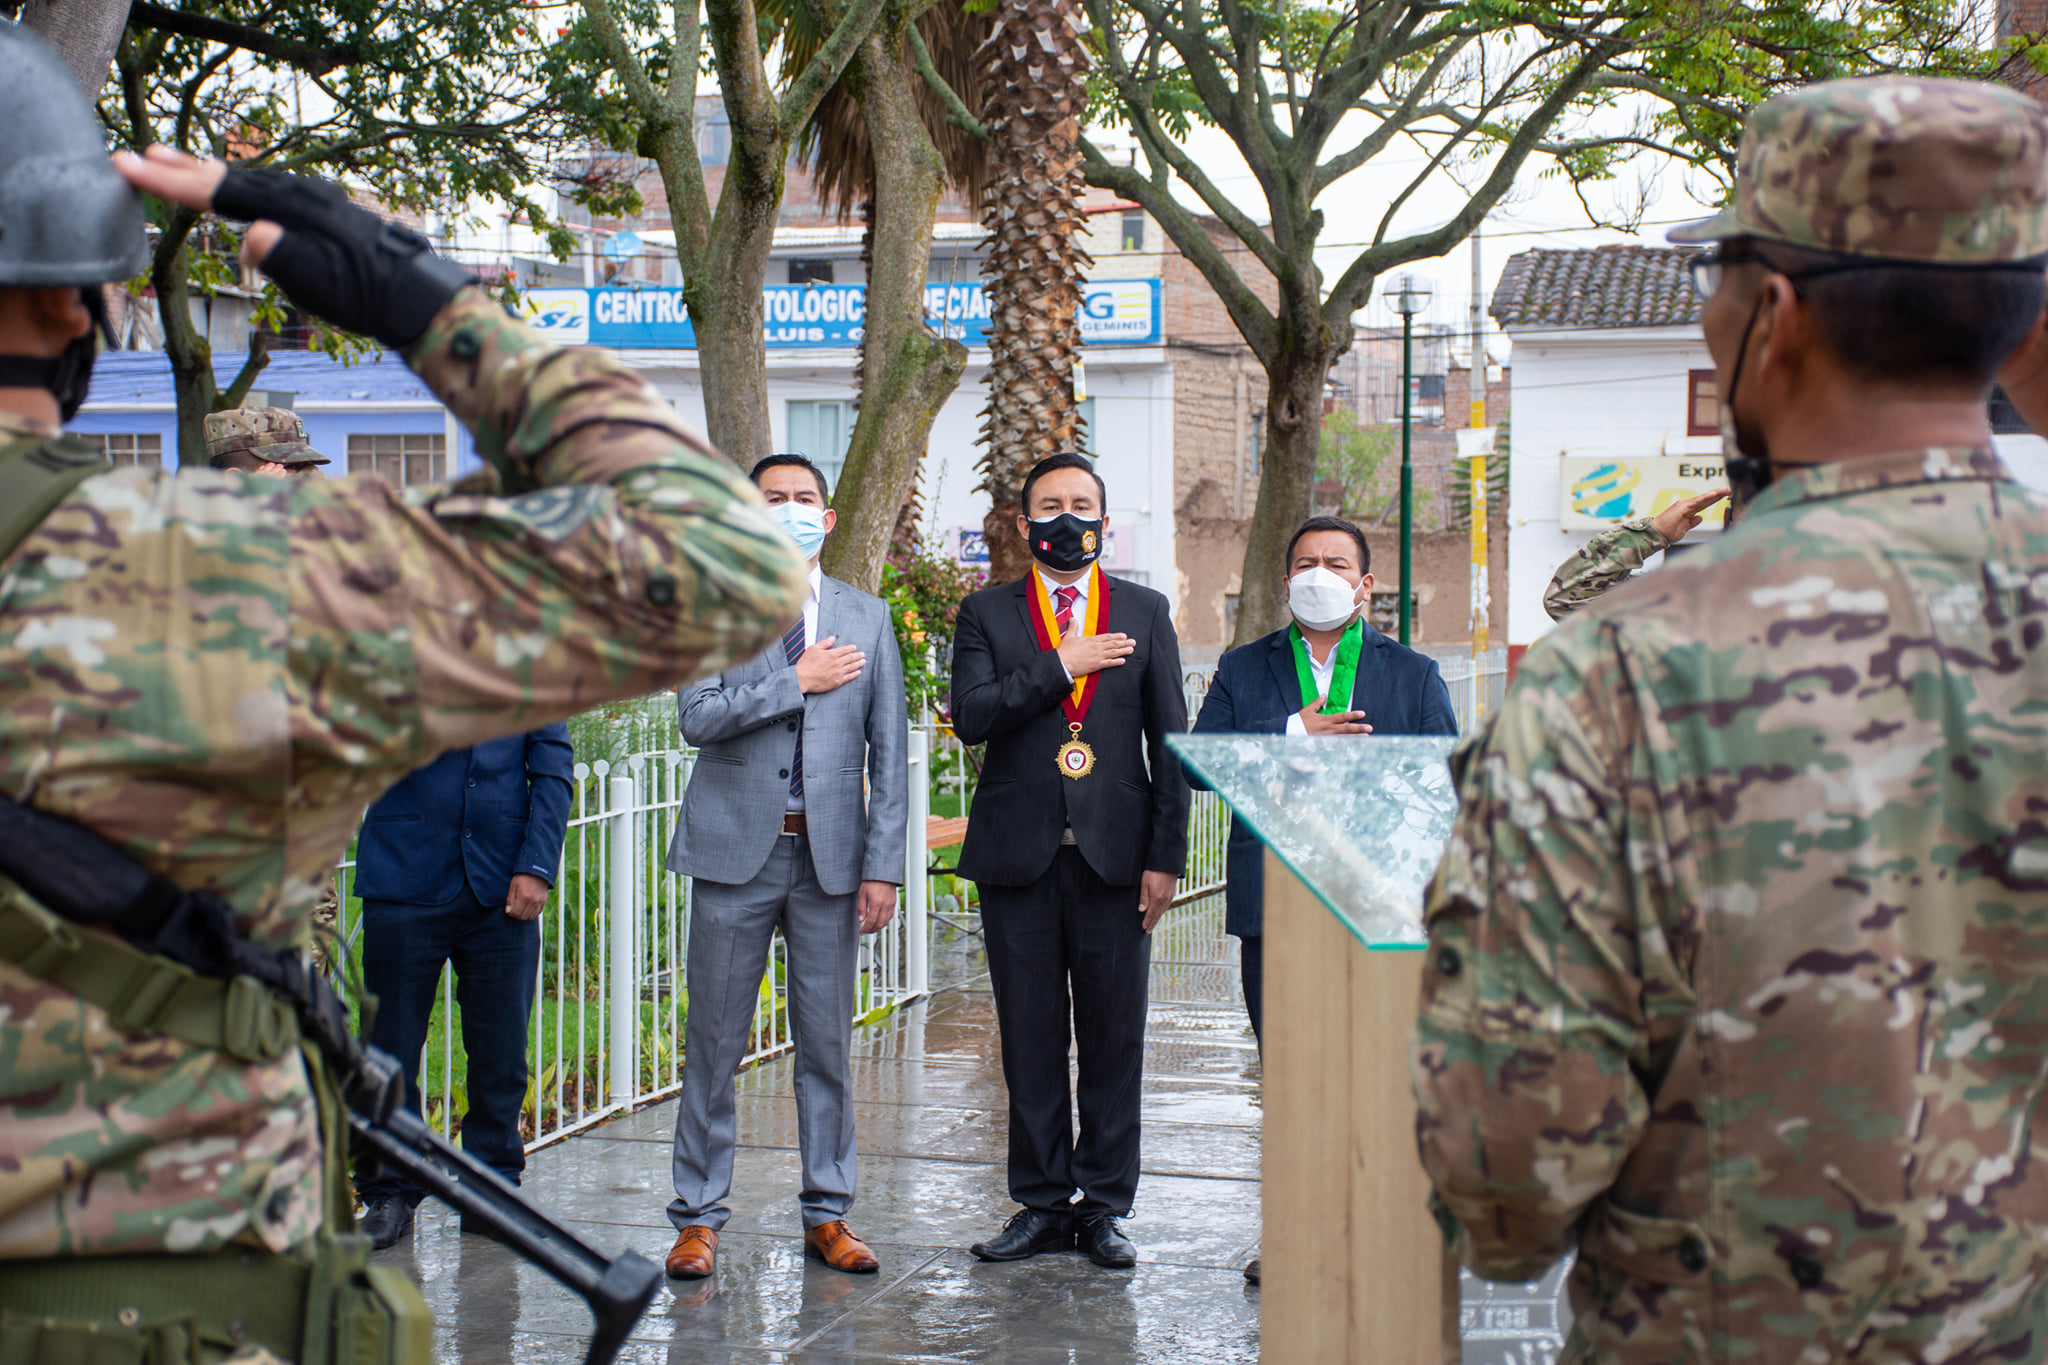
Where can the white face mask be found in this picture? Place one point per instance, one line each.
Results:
(1320, 599)
(805, 524)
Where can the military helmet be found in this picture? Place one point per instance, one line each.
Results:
(273, 434)
(66, 215)
(1928, 172)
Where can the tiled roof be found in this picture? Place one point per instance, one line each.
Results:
(1606, 286)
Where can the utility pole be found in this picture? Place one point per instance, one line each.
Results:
(1408, 299)
(1477, 393)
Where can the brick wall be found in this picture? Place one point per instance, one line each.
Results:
(1219, 406)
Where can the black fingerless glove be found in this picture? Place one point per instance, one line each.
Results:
(339, 261)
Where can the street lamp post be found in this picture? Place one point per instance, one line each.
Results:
(1410, 296)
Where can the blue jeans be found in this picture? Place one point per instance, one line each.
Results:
(495, 959)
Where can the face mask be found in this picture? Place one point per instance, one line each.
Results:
(805, 524)
(1320, 599)
(69, 375)
(1065, 543)
(1746, 455)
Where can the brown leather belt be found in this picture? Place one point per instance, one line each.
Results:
(793, 823)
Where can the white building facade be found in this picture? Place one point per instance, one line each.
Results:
(1612, 385)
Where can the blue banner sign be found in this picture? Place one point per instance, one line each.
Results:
(1113, 313)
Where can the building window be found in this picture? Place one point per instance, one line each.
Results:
(810, 272)
(820, 430)
(1256, 454)
(1702, 404)
(145, 449)
(714, 141)
(1134, 232)
(406, 459)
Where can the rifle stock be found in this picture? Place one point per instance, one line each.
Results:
(78, 875)
(617, 1288)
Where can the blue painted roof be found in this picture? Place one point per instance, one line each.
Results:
(145, 377)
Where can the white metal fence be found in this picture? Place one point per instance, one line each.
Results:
(606, 1030)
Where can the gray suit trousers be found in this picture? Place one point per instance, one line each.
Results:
(730, 931)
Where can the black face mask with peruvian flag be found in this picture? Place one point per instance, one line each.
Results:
(1065, 543)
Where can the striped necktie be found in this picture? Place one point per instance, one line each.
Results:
(1064, 620)
(792, 649)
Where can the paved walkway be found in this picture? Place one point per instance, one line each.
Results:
(932, 1124)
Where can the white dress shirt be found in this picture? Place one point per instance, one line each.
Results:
(796, 804)
(1322, 673)
(1079, 609)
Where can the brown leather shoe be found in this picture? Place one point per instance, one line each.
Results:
(835, 1245)
(1251, 1272)
(694, 1254)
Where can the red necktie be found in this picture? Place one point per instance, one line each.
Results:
(1065, 617)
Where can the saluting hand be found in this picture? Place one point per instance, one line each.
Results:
(1085, 654)
(1342, 723)
(1674, 521)
(822, 668)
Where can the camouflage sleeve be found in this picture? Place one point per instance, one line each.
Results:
(616, 555)
(1533, 1036)
(1605, 560)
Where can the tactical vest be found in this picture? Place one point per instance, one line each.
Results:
(321, 1303)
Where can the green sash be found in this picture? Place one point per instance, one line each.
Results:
(1341, 680)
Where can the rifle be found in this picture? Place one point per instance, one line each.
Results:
(79, 876)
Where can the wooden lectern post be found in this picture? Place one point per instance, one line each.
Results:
(1354, 1269)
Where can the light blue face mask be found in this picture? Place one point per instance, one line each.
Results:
(805, 524)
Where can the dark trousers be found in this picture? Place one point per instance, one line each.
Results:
(1070, 926)
(1251, 969)
(495, 958)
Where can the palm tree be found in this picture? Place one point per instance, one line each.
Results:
(1033, 69)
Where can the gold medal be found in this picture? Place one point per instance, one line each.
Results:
(1075, 758)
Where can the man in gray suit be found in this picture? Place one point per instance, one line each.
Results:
(777, 830)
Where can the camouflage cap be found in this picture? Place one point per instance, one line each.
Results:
(1941, 172)
(274, 434)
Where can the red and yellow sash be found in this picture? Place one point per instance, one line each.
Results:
(1044, 622)
(1075, 759)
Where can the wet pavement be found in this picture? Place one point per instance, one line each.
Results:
(932, 1126)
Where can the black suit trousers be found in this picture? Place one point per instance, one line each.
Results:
(1070, 927)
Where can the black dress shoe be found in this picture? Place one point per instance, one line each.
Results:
(386, 1218)
(1097, 1234)
(1028, 1232)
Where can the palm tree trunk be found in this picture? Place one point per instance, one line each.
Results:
(1034, 68)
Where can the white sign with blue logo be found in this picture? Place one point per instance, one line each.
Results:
(1113, 313)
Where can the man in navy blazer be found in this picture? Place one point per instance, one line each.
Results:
(454, 864)
(1258, 690)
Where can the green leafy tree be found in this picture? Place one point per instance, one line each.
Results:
(639, 66)
(414, 106)
(1486, 91)
(1350, 459)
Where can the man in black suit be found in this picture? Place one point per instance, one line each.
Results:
(1071, 677)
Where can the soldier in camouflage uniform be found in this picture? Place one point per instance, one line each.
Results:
(1735, 981)
(261, 441)
(218, 675)
(1611, 556)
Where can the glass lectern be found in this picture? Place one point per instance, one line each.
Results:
(1354, 1268)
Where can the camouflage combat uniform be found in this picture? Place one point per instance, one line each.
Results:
(1610, 557)
(220, 673)
(269, 435)
(1736, 980)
